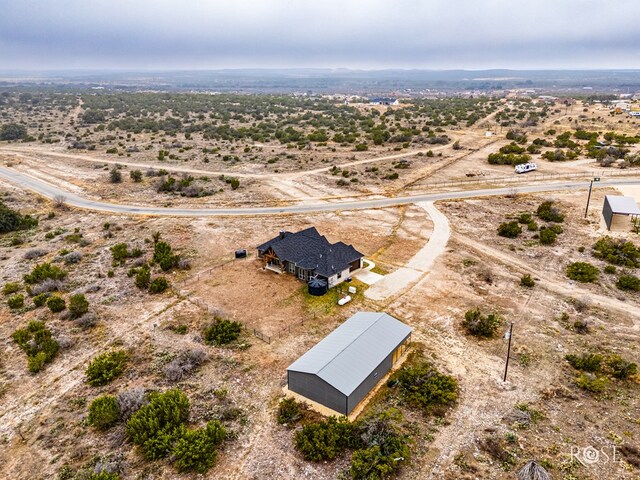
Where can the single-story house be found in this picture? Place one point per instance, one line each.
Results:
(619, 211)
(307, 254)
(384, 101)
(341, 370)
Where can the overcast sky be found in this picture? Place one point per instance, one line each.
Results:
(371, 34)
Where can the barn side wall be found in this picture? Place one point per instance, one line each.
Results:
(374, 377)
(314, 388)
(607, 213)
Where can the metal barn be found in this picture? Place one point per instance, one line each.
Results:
(618, 211)
(347, 364)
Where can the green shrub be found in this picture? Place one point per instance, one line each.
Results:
(16, 301)
(163, 255)
(196, 450)
(610, 269)
(11, 287)
(56, 304)
(588, 362)
(143, 278)
(157, 426)
(78, 305)
(158, 285)
(289, 412)
(106, 367)
(326, 440)
(40, 299)
(527, 281)
(583, 272)
(38, 343)
(592, 383)
(547, 236)
(499, 158)
(10, 220)
(546, 211)
(136, 175)
(104, 412)
(617, 252)
(621, 368)
(480, 325)
(43, 272)
(422, 386)
(509, 229)
(104, 475)
(532, 226)
(628, 282)
(525, 218)
(557, 229)
(222, 332)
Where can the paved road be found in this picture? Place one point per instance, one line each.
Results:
(50, 191)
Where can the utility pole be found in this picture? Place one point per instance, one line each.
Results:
(509, 334)
(586, 210)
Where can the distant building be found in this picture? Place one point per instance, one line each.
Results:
(307, 254)
(384, 101)
(341, 370)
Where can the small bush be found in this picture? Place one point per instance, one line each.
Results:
(78, 305)
(185, 363)
(547, 236)
(158, 285)
(47, 286)
(525, 218)
(38, 343)
(583, 272)
(527, 281)
(40, 299)
(143, 278)
(546, 211)
(106, 367)
(422, 386)
(16, 301)
(114, 174)
(87, 320)
(103, 412)
(157, 426)
(222, 332)
(11, 287)
(43, 272)
(326, 440)
(617, 252)
(480, 325)
(629, 283)
(72, 257)
(620, 368)
(509, 229)
(136, 175)
(289, 412)
(130, 401)
(163, 255)
(196, 451)
(588, 362)
(610, 269)
(56, 304)
(592, 383)
(532, 226)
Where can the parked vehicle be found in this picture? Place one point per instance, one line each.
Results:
(526, 167)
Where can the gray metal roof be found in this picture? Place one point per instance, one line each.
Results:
(623, 205)
(348, 355)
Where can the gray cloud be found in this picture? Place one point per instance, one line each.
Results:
(332, 33)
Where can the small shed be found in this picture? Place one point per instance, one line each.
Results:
(348, 363)
(618, 211)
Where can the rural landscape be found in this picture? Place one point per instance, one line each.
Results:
(369, 241)
(110, 310)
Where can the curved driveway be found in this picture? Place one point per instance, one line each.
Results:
(50, 191)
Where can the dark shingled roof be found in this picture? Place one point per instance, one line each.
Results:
(311, 251)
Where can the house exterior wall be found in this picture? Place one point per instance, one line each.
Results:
(314, 388)
(372, 380)
(338, 278)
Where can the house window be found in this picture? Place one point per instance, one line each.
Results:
(340, 275)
